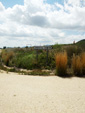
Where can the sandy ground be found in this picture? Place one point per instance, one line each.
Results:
(36, 94)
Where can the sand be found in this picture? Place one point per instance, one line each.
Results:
(38, 94)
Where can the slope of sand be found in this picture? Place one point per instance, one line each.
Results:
(36, 94)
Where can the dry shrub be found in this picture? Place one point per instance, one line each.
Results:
(78, 64)
(6, 56)
(83, 62)
(61, 64)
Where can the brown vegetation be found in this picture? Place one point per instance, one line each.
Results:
(78, 64)
(6, 56)
(61, 63)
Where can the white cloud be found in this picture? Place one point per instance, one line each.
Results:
(37, 22)
(2, 8)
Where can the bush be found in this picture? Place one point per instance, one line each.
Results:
(78, 64)
(72, 49)
(83, 62)
(61, 64)
(7, 56)
(58, 47)
(26, 61)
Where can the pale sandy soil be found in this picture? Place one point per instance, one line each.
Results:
(36, 94)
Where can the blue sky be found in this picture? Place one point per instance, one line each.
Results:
(53, 1)
(34, 22)
(11, 3)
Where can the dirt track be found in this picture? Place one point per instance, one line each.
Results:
(35, 94)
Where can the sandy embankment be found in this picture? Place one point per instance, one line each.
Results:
(36, 94)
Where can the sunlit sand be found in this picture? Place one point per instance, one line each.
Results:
(39, 94)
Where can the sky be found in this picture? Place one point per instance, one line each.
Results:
(41, 22)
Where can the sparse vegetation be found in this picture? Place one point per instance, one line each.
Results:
(37, 72)
(25, 58)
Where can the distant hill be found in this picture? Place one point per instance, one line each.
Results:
(81, 43)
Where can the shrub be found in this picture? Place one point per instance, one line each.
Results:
(27, 61)
(7, 56)
(83, 62)
(73, 50)
(78, 64)
(61, 64)
(58, 47)
(46, 63)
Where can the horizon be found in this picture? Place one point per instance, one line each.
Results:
(29, 45)
(41, 22)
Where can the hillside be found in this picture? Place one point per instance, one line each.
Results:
(81, 43)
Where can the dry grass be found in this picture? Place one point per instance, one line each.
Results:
(83, 62)
(7, 56)
(61, 63)
(78, 64)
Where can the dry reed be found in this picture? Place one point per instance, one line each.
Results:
(83, 62)
(61, 63)
(78, 64)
